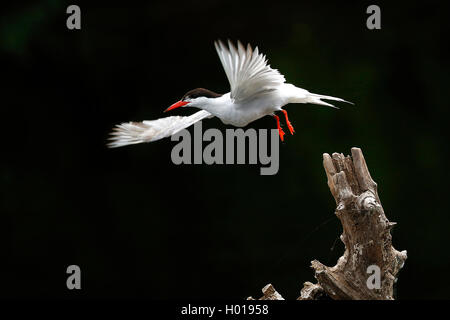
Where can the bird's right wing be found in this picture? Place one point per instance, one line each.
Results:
(147, 131)
(247, 70)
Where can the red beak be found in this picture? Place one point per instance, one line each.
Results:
(176, 105)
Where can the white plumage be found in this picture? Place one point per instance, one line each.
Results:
(152, 130)
(256, 90)
(247, 71)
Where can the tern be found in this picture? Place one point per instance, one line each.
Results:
(256, 91)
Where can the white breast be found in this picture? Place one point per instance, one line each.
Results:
(242, 113)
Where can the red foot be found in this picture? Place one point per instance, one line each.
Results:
(280, 131)
(291, 128)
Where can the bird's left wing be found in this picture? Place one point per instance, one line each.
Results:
(247, 70)
(147, 131)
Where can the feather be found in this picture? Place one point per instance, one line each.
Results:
(147, 131)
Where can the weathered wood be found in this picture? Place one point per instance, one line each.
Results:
(366, 236)
(312, 291)
(269, 293)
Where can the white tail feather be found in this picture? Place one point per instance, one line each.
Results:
(316, 99)
(147, 131)
(299, 95)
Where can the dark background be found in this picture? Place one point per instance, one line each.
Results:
(140, 226)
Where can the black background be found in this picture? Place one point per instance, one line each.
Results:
(140, 226)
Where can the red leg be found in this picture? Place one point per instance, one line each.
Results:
(291, 128)
(280, 131)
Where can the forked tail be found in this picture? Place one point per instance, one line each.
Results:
(316, 99)
(299, 95)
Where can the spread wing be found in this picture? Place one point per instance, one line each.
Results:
(247, 70)
(147, 131)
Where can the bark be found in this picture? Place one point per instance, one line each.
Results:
(366, 236)
(269, 293)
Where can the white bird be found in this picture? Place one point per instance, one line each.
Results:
(257, 90)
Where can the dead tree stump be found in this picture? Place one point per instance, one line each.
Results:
(368, 268)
